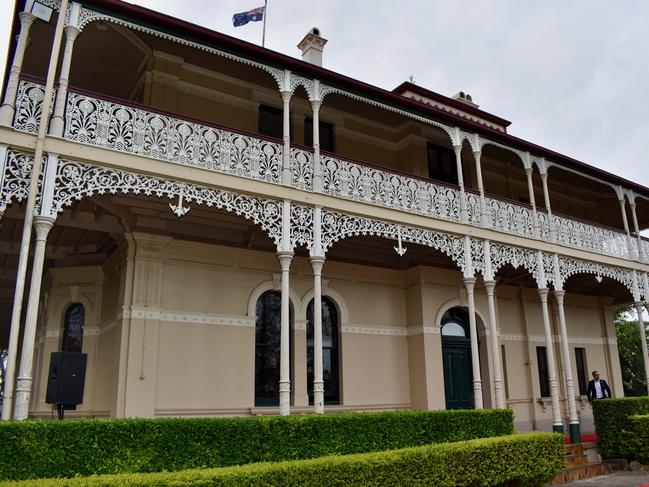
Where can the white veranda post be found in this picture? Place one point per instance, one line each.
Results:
(575, 433)
(25, 242)
(71, 33)
(469, 283)
(557, 423)
(639, 306)
(7, 108)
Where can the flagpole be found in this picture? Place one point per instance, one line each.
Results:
(263, 35)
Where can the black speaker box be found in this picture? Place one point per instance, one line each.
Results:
(66, 378)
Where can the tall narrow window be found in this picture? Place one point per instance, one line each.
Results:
(326, 135)
(330, 374)
(268, 347)
(73, 323)
(441, 164)
(544, 379)
(271, 121)
(580, 356)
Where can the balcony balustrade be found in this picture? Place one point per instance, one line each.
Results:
(125, 127)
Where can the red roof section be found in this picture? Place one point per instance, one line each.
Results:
(465, 107)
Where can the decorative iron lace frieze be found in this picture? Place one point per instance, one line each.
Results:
(112, 126)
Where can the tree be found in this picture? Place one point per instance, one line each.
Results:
(630, 350)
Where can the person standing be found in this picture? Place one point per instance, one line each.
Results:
(598, 388)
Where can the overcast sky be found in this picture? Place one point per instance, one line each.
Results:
(571, 75)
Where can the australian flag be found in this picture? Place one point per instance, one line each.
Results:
(254, 15)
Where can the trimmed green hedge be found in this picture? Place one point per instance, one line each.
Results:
(639, 429)
(36, 449)
(612, 424)
(525, 460)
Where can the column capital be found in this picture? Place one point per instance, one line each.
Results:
(315, 105)
(559, 294)
(71, 32)
(43, 225)
(26, 19)
(489, 285)
(469, 282)
(639, 305)
(317, 262)
(543, 293)
(286, 96)
(285, 259)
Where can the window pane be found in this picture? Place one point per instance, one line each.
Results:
(542, 361)
(271, 121)
(74, 321)
(453, 329)
(580, 356)
(326, 135)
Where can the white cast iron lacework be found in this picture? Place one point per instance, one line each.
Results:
(337, 226)
(359, 182)
(15, 180)
(576, 234)
(544, 225)
(29, 105)
(645, 249)
(509, 217)
(106, 124)
(76, 180)
(474, 208)
(569, 267)
(301, 169)
(477, 256)
(516, 257)
(301, 226)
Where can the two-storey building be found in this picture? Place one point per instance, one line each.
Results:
(226, 230)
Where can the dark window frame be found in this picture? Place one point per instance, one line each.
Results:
(544, 376)
(331, 389)
(271, 122)
(268, 345)
(582, 374)
(442, 164)
(326, 144)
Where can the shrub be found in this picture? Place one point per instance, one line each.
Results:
(525, 460)
(35, 449)
(639, 437)
(612, 424)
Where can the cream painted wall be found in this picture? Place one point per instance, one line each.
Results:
(171, 333)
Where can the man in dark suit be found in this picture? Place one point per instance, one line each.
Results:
(598, 388)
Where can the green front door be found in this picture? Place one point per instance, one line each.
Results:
(457, 374)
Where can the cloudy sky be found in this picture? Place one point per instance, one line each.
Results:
(571, 75)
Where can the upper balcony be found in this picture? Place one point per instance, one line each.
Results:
(128, 127)
(145, 92)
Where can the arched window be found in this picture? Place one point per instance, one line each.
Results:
(73, 323)
(267, 347)
(330, 372)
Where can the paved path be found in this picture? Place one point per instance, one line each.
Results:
(617, 479)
